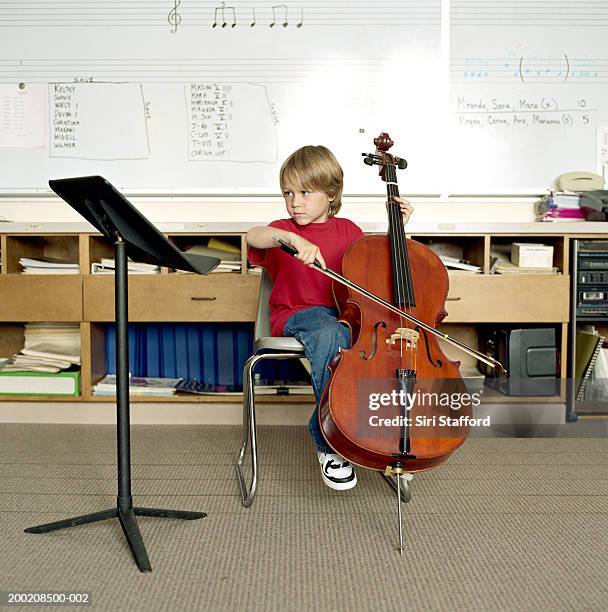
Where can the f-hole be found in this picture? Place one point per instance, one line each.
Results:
(363, 354)
(436, 364)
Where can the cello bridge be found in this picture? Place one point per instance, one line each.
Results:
(406, 335)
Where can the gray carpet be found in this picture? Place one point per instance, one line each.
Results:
(506, 524)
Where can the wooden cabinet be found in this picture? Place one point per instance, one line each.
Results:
(176, 297)
(507, 299)
(40, 298)
(88, 299)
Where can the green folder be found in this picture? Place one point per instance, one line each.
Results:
(40, 383)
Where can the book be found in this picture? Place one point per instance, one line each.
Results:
(141, 385)
(107, 265)
(99, 268)
(48, 265)
(588, 347)
(47, 262)
(41, 383)
(62, 271)
(566, 213)
(566, 200)
(506, 267)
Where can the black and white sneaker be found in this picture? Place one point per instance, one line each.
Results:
(337, 472)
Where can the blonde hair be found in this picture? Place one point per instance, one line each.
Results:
(315, 168)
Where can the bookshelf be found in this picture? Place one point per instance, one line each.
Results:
(87, 299)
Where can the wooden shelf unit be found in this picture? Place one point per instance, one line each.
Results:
(232, 297)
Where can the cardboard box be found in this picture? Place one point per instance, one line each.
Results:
(531, 255)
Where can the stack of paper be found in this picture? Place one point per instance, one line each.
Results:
(506, 267)
(48, 347)
(559, 207)
(138, 385)
(107, 265)
(459, 264)
(500, 263)
(228, 254)
(48, 265)
(452, 256)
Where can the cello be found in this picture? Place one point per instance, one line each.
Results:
(389, 405)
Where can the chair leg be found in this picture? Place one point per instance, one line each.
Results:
(249, 435)
(249, 426)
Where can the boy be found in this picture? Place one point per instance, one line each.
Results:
(301, 302)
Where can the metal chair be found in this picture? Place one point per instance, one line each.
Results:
(266, 347)
(271, 347)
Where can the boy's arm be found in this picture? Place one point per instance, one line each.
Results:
(261, 237)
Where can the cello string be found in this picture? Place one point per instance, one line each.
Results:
(408, 275)
(408, 278)
(401, 254)
(402, 262)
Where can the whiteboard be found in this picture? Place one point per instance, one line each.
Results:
(210, 97)
(528, 92)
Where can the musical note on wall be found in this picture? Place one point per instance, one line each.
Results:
(222, 9)
(275, 9)
(174, 18)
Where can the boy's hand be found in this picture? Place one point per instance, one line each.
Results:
(307, 251)
(406, 208)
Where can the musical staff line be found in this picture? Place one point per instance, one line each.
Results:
(557, 69)
(178, 14)
(545, 13)
(181, 70)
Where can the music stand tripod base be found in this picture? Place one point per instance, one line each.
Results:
(127, 522)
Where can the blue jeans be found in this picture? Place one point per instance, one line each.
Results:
(318, 330)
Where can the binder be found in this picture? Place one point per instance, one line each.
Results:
(588, 347)
(169, 360)
(211, 353)
(40, 383)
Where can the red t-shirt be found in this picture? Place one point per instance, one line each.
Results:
(297, 286)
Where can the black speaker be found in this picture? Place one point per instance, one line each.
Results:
(529, 356)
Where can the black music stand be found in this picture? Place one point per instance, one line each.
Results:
(133, 236)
